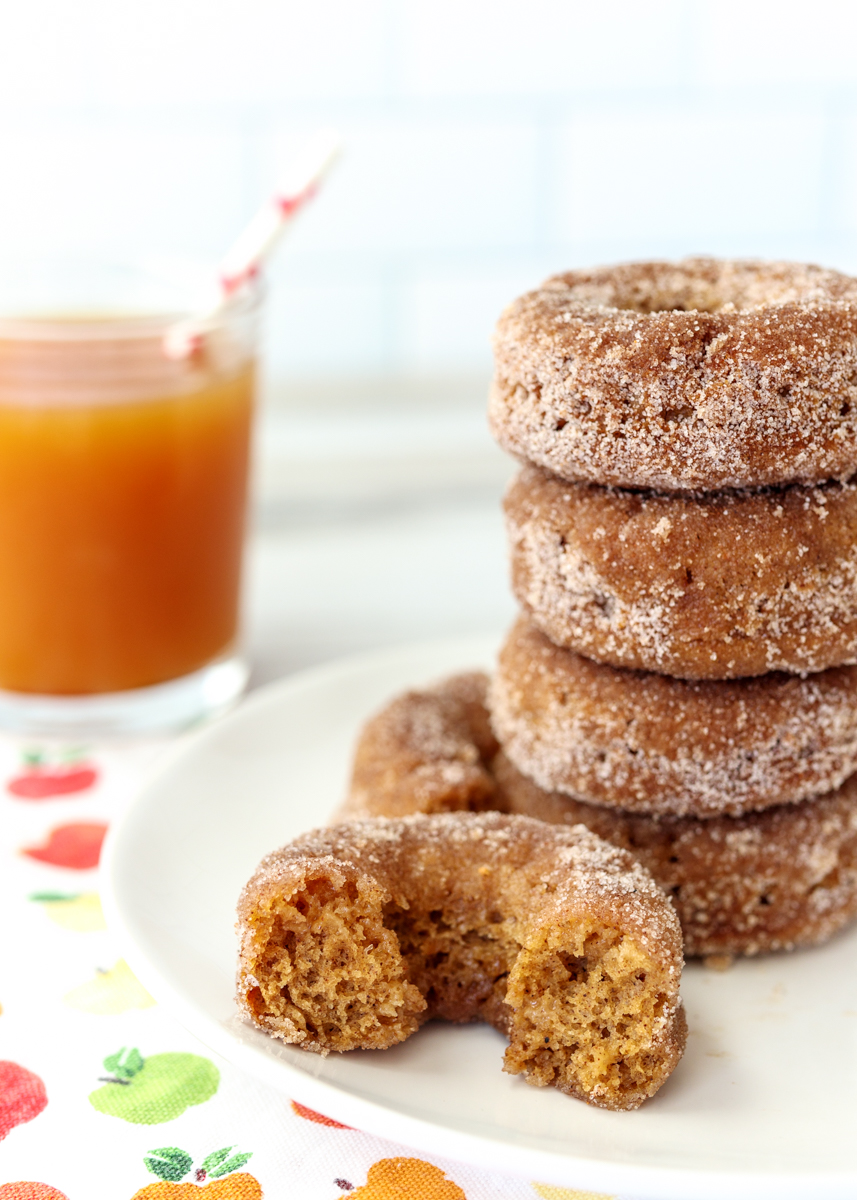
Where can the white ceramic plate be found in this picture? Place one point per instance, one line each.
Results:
(763, 1105)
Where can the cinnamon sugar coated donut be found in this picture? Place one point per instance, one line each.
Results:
(648, 743)
(419, 734)
(696, 375)
(426, 752)
(352, 937)
(770, 880)
(716, 586)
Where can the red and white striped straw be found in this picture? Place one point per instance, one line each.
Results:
(245, 258)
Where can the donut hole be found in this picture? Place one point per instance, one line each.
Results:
(459, 965)
(697, 286)
(688, 299)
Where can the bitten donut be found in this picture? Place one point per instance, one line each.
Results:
(696, 375)
(648, 743)
(718, 586)
(352, 937)
(769, 880)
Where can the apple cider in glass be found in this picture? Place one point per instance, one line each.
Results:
(123, 483)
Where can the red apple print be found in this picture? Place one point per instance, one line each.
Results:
(76, 846)
(22, 1096)
(41, 779)
(310, 1114)
(30, 1191)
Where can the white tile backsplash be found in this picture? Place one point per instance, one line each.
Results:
(325, 324)
(120, 187)
(695, 172)
(191, 52)
(426, 185)
(790, 42)
(489, 142)
(541, 47)
(449, 314)
(842, 166)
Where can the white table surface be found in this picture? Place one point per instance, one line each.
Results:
(374, 524)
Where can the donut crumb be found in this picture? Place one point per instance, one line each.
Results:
(718, 962)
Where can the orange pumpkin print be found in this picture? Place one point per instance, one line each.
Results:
(405, 1179)
(235, 1187)
(217, 1178)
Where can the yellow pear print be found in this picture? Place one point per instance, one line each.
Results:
(549, 1191)
(110, 992)
(81, 913)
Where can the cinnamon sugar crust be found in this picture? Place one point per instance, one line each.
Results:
(352, 937)
(770, 880)
(426, 752)
(697, 375)
(720, 585)
(648, 743)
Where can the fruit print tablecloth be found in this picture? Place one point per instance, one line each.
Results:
(103, 1096)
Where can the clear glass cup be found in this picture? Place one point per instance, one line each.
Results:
(123, 489)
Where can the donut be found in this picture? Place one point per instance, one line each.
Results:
(352, 937)
(696, 375)
(648, 743)
(425, 734)
(765, 881)
(425, 752)
(717, 586)
(771, 880)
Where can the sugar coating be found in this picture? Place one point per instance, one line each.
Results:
(644, 742)
(354, 936)
(696, 375)
(770, 880)
(720, 585)
(424, 748)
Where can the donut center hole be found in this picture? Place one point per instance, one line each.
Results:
(460, 969)
(714, 288)
(692, 297)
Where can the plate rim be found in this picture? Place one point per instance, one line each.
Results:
(368, 1116)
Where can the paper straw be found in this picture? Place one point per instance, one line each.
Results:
(245, 258)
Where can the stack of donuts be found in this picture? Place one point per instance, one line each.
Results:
(683, 538)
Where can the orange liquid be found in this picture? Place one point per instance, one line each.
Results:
(121, 529)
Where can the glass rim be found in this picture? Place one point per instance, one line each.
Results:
(72, 323)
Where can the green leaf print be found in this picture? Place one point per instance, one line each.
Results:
(169, 1163)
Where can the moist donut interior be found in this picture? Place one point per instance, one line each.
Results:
(581, 1003)
(329, 968)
